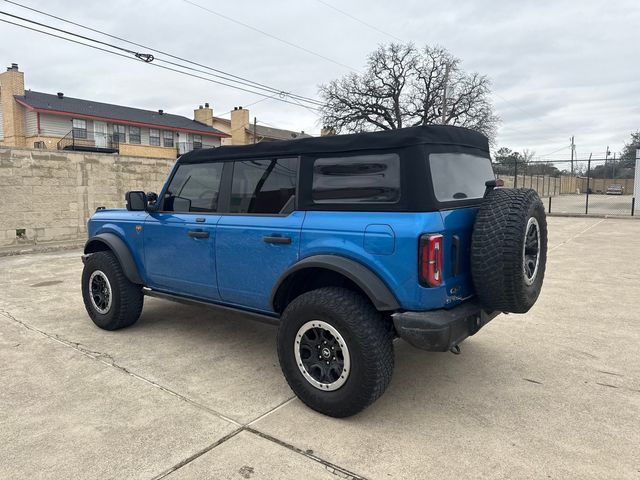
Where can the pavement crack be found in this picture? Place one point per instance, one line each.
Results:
(330, 467)
(576, 235)
(606, 385)
(199, 453)
(533, 381)
(108, 360)
(611, 373)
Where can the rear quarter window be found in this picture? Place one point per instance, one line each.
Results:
(357, 179)
(459, 176)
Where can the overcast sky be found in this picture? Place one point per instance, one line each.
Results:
(558, 68)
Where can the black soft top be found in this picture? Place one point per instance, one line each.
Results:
(431, 135)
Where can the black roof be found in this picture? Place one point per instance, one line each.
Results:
(46, 101)
(433, 135)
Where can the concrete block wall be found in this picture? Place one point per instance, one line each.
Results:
(47, 197)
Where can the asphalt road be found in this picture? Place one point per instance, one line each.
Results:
(191, 393)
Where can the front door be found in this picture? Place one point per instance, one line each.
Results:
(100, 134)
(179, 238)
(260, 238)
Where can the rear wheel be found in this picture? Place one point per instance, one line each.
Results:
(335, 351)
(111, 300)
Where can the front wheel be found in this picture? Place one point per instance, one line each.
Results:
(111, 300)
(335, 351)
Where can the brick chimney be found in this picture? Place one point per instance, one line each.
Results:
(239, 125)
(204, 114)
(12, 83)
(327, 131)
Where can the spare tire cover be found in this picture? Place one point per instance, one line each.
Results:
(509, 250)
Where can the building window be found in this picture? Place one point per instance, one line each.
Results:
(167, 138)
(154, 137)
(197, 142)
(119, 134)
(134, 135)
(263, 186)
(79, 128)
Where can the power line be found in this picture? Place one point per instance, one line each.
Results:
(152, 64)
(267, 34)
(555, 151)
(224, 75)
(352, 17)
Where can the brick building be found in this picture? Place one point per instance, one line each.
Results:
(54, 121)
(241, 129)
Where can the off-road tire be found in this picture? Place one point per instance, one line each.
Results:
(497, 250)
(126, 297)
(369, 341)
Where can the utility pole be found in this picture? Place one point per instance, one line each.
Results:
(573, 149)
(444, 94)
(613, 175)
(255, 121)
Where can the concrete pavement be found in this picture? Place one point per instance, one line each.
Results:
(189, 392)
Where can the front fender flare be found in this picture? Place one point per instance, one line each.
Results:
(370, 283)
(119, 249)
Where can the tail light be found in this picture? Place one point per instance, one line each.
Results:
(430, 267)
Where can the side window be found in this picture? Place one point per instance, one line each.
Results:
(357, 179)
(264, 186)
(194, 188)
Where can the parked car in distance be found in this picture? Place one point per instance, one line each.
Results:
(615, 189)
(346, 242)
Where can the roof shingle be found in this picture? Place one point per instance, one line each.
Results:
(69, 105)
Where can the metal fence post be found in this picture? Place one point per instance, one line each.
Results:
(549, 204)
(636, 181)
(515, 174)
(586, 205)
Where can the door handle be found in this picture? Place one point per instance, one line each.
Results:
(275, 239)
(198, 234)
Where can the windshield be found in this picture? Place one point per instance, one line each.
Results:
(459, 176)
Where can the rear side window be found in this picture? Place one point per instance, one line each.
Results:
(264, 186)
(194, 188)
(459, 176)
(357, 179)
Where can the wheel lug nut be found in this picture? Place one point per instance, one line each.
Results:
(327, 363)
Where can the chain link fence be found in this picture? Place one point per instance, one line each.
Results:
(598, 188)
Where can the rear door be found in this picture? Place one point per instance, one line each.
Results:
(260, 236)
(459, 186)
(179, 239)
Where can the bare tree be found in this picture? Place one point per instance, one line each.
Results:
(404, 87)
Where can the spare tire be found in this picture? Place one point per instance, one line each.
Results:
(509, 250)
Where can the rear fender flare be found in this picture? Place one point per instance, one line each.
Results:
(370, 283)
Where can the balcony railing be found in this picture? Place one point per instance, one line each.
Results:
(88, 141)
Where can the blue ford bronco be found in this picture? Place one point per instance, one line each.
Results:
(346, 242)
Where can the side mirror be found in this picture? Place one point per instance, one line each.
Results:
(136, 201)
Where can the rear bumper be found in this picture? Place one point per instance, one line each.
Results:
(440, 330)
